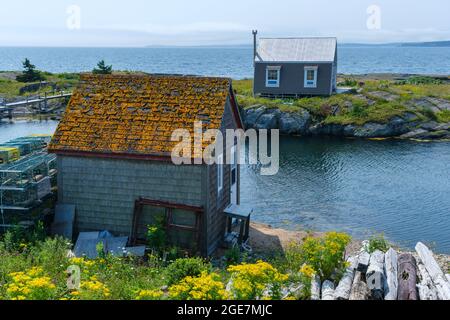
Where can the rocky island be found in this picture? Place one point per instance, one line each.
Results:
(372, 106)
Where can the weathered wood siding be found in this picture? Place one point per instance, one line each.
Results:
(217, 202)
(104, 190)
(292, 79)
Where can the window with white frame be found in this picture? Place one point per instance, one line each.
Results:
(311, 77)
(273, 76)
(220, 172)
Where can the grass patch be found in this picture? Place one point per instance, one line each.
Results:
(9, 88)
(379, 113)
(443, 116)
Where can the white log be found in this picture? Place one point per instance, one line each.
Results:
(391, 284)
(448, 277)
(375, 277)
(344, 287)
(315, 288)
(359, 288)
(364, 246)
(327, 290)
(426, 287)
(433, 269)
(363, 262)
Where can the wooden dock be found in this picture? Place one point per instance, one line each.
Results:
(6, 109)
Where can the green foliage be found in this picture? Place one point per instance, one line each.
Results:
(349, 82)
(380, 113)
(157, 235)
(377, 242)
(69, 76)
(233, 256)
(258, 280)
(102, 68)
(30, 74)
(420, 80)
(359, 111)
(326, 255)
(427, 112)
(443, 116)
(181, 268)
(18, 237)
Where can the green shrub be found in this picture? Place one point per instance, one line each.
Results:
(157, 235)
(349, 82)
(420, 80)
(443, 116)
(427, 112)
(359, 111)
(377, 242)
(30, 74)
(182, 268)
(326, 255)
(232, 256)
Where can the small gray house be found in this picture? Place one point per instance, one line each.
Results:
(113, 149)
(293, 67)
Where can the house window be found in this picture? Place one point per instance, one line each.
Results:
(181, 222)
(311, 77)
(273, 76)
(219, 173)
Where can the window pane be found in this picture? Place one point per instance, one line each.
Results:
(273, 74)
(183, 218)
(310, 75)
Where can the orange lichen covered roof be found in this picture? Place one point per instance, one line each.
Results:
(136, 114)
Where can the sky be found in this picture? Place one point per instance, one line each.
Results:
(137, 23)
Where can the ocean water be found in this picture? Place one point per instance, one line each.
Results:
(234, 62)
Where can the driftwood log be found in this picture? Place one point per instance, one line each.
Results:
(427, 289)
(344, 287)
(327, 290)
(363, 262)
(437, 276)
(390, 267)
(359, 291)
(407, 277)
(315, 288)
(375, 277)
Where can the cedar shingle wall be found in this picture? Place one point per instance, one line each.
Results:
(217, 203)
(104, 190)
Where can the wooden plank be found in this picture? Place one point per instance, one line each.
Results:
(407, 277)
(359, 291)
(433, 269)
(344, 287)
(391, 269)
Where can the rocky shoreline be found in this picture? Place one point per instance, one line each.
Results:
(407, 126)
(366, 106)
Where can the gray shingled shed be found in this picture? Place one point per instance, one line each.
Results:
(291, 67)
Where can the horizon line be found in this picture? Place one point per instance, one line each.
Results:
(214, 45)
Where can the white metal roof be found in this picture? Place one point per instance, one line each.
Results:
(296, 49)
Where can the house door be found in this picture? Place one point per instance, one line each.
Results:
(234, 195)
